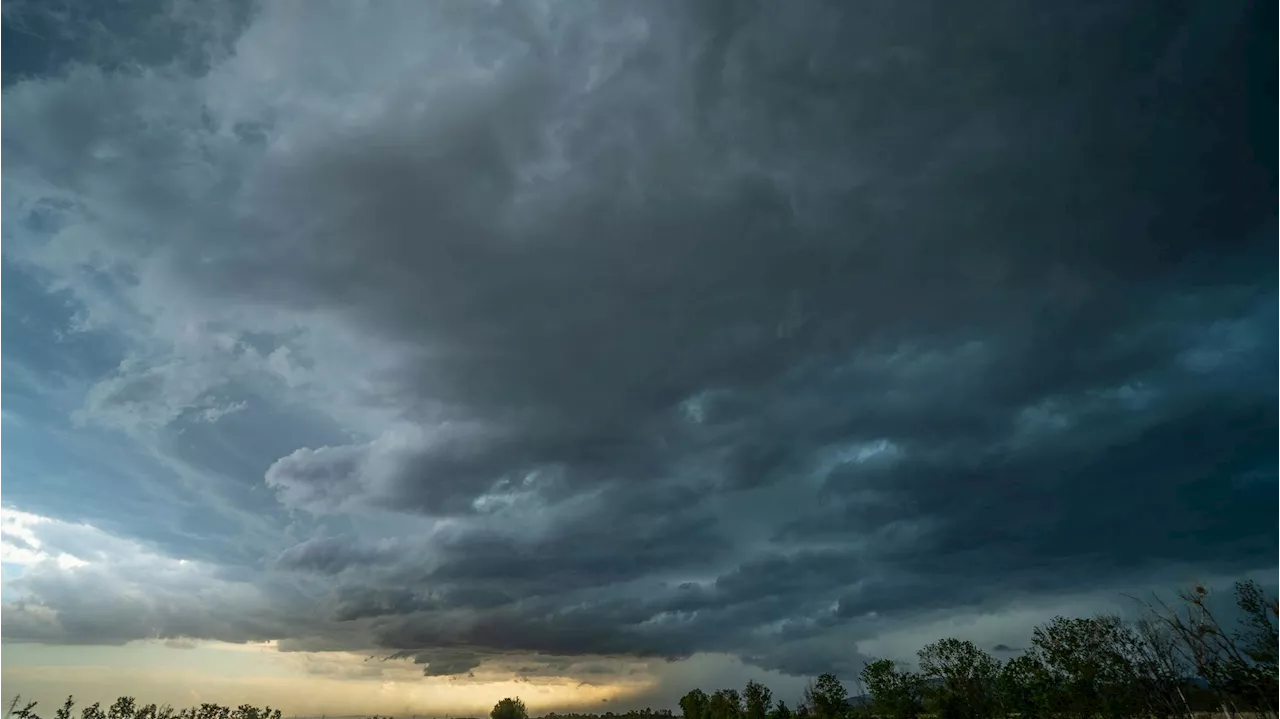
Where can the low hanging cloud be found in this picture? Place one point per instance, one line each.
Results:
(635, 330)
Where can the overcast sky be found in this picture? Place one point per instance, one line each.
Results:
(596, 351)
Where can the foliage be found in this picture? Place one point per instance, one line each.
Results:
(694, 704)
(964, 679)
(894, 693)
(127, 708)
(1026, 688)
(509, 709)
(725, 704)
(1090, 671)
(827, 699)
(758, 699)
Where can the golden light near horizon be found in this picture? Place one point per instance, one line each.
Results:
(186, 672)
(299, 683)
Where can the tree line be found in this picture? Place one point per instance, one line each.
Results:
(128, 708)
(1174, 661)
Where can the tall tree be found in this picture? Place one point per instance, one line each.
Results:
(827, 698)
(758, 700)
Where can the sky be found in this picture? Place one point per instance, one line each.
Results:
(397, 357)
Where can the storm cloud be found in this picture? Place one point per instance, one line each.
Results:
(570, 330)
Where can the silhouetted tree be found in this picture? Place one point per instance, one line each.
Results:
(127, 708)
(509, 709)
(64, 712)
(123, 708)
(26, 712)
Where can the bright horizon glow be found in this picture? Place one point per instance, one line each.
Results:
(299, 683)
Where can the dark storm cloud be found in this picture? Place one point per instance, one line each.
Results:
(725, 326)
(576, 332)
(608, 546)
(330, 555)
(443, 662)
(1142, 483)
(360, 602)
(1063, 277)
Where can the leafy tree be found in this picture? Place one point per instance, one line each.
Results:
(209, 710)
(725, 704)
(694, 705)
(509, 709)
(123, 708)
(896, 694)
(781, 712)
(965, 679)
(827, 699)
(1026, 688)
(758, 700)
(1092, 673)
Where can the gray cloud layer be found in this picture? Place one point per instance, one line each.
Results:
(657, 329)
